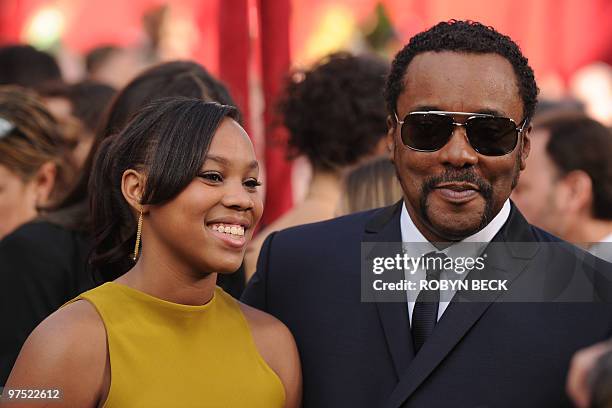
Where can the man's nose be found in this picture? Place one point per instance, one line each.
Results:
(458, 152)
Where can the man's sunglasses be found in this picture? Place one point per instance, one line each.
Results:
(488, 135)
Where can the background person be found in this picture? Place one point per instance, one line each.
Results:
(335, 116)
(114, 65)
(26, 66)
(370, 185)
(589, 381)
(79, 109)
(33, 167)
(601, 382)
(566, 188)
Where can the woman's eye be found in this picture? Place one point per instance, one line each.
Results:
(214, 177)
(252, 183)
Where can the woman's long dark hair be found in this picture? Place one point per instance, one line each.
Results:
(176, 78)
(167, 141)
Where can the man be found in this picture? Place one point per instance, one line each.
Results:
(457, 169)
(567, 187)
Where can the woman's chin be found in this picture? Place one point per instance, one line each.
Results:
(226, 268)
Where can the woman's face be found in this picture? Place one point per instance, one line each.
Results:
(208, 225)
(17, 201)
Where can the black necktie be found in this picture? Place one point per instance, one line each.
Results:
(425, 312)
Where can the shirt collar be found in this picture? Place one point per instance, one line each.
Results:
(607, 238)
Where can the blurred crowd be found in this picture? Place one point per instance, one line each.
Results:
(334, 111)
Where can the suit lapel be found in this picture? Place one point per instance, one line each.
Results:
(467, 308)
(384, 226)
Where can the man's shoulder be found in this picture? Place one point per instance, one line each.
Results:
(557, 250)
(336, 235)
(326, 229)
(541, 235)
(562, 251)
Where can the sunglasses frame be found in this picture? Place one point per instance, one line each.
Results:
(470, 115)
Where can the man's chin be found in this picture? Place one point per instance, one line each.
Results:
(456, 227)
(456, 232)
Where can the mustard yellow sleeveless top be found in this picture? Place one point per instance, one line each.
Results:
(164, 354)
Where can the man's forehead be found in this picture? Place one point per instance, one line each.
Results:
(443, 65)
(461, 81)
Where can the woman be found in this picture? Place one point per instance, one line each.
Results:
(32, 158)
(163, 334)
(33, 287)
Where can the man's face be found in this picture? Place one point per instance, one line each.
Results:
(454, 192)
(538, 193)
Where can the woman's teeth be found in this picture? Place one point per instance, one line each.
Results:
(237, 230)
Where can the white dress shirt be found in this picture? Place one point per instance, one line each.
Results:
(412, 235)
(603, 248)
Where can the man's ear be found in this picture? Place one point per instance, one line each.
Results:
(580, 188)
(525, 146)
(44, 182)
(390, 138)
(132, 187)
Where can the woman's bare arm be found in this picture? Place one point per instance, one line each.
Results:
(276, 345)
(66, 352)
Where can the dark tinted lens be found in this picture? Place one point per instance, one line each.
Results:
(492, 136)
(426, 131)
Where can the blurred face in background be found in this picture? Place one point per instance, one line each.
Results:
(77, 135)
(17, 201)
(120, 67)
(31, 158)
(540, 192)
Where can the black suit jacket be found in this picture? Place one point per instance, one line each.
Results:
(481, 354)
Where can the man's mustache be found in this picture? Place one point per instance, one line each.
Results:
(458, 176)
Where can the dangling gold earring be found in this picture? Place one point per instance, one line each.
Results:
(138, 233)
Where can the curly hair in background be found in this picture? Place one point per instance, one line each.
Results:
(335, 112)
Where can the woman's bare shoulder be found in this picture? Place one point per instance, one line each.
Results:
(277, 347)
(68, 352)
(264, 323)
